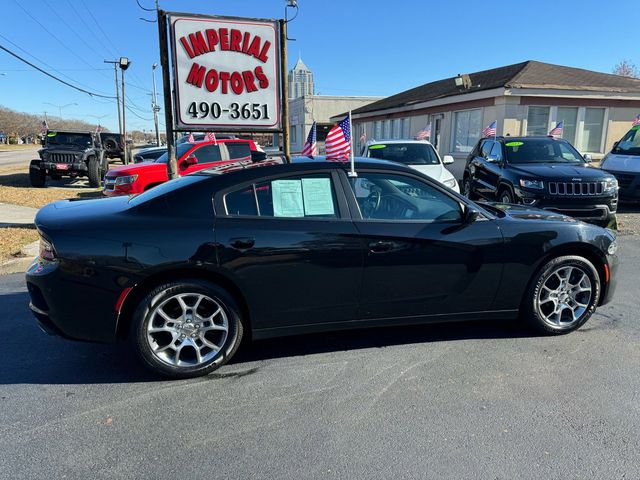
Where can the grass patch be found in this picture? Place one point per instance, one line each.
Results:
(12, 240)
(16, 189)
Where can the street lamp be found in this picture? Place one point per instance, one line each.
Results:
(154, 103)
(60, 107)
(124, 63)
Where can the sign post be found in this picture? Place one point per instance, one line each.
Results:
(172, 167)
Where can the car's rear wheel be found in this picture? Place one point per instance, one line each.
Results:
(93, 172)
(563, 295)
(187, 328)
(37, 176)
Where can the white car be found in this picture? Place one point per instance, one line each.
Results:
(418, 154)
(624, 163)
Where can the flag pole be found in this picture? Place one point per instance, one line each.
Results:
(352, 173)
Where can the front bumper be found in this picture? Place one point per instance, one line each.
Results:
(78, 168)
(589, 208)
(609, 288)
(629, 184)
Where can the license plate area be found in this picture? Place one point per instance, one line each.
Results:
(62, 166)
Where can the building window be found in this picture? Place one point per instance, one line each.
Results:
(397, 133)
(538, 121)
(405, 127)
(378, 130)
(592, 131)
(386, 129)
(466, 131)
(568, 115)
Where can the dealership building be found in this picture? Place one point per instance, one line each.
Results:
(527, 98)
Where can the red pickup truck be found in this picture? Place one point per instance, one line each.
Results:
(191, 157)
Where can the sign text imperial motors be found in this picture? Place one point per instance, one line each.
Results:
(226, 73)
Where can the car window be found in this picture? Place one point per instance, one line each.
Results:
(238, 150)
(630, 143)
(180, 151)
(407, 153)
(305, 196)
(387, 196)
(485, 150)
(496, 151)
(208, 154)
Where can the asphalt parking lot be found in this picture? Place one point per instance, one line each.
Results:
(468, 400)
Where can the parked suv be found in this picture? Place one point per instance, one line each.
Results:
(191, 157)
(544, 172)
(624, 163)
(113, 145)
(69, 154)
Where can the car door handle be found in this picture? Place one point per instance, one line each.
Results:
(243, 243)
(380, 246)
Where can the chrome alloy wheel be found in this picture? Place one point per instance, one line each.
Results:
(564, 296)
(187, 329)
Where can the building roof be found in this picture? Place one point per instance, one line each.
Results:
(300, 65)
(529, 74)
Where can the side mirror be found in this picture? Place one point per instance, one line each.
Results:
(588, 158)
(190, 160)
(615, 145)
(470, 215)
(258, 156)
(448, 160)
(492, 159)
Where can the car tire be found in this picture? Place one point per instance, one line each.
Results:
(187, 328)
(37, 176)
(562, 295)
(505, 196)
(467, 188)
(93, 171)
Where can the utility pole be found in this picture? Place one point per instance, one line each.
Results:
(115, 69)
(154, 103)
(124, 64)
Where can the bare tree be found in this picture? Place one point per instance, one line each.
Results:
(626, 68)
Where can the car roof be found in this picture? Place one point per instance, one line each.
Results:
(525, 138)
(397, 140)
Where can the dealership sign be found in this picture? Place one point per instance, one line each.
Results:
(226, 73)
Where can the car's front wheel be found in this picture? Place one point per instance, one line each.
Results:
(562, 296)
(187, 329)
(37, 175)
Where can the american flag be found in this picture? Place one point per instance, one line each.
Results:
(211, 137)
(557, 130)
(310, 147)
(490, 130)
(44, 127)
(190, 138)
(424, 133)
(338, 142)
(636, 121)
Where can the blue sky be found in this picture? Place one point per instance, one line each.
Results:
(362, 47)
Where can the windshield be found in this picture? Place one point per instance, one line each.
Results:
(630, 143)
(541, 150)
(407, 153)
(62, 138)
(180, 151)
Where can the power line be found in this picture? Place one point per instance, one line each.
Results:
(95, 37)
(92, 94)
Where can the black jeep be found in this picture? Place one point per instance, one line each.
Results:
(113, 145)
(69, 154)
(542, 172)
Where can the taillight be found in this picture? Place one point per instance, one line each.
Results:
(47, 251)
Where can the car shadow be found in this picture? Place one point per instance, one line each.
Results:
(32, 357)
(21, 180)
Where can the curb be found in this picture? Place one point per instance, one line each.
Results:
(20, 264)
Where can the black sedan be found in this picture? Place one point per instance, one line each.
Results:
(186, 270)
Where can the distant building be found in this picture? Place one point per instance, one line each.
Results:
(304, 110)
(527, 98)
(300, 80)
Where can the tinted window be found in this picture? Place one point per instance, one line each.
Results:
(238, 150)
(294, 197)
(208, 154)
(541, 150)
(496, 151)
(407, 153)
(77, 139)
(485, 150)
(383, 196)
(180, 151)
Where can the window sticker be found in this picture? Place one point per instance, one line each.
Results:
(287, 198)
(377, 147)
(514, 144)
(52, 134)
(317, 196)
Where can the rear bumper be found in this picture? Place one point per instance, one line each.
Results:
(65, 306)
